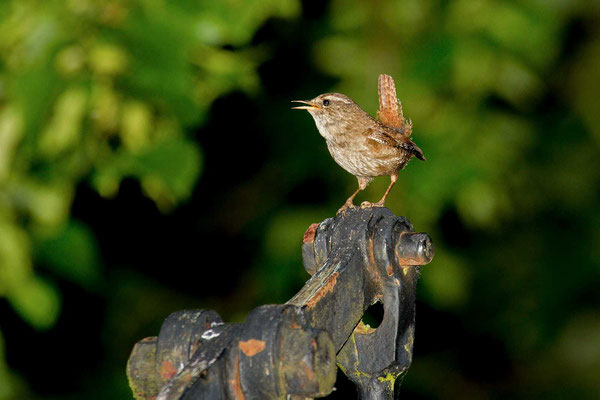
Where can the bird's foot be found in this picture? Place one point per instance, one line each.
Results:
(345, 208)
(368, 204)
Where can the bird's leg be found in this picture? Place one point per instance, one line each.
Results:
(381, 202)
(362, 184)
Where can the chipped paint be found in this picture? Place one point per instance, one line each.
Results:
(209, 334)
(235, 382)
(371, 251)
(311, 232)
(252, 347)
(327, 287)
(167, 370)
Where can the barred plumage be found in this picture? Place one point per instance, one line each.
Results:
(362, 145)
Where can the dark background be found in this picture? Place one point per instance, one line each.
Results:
(150, 162)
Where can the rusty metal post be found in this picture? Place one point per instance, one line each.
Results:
(372, 257)
(365, 256)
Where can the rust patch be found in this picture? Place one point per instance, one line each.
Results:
(363, 328)
(311, 232)
(295, 325)
(252, 347)
(236, 385)
(390, 270)
(167, 370)
(374, 273)
(371, 251)
(308, 372)
(326, 288)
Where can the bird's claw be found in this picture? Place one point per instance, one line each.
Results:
(368, 204)
(345, 208)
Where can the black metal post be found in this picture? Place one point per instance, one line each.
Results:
(291, 350)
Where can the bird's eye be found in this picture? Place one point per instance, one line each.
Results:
(325, 102)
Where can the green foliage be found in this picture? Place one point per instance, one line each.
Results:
(72, 254)
(101, 91)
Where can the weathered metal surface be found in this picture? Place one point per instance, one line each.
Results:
(372, 256)
(356, 259)
(273, 354)
(141, 370)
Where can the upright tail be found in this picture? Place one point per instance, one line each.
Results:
(390, 109)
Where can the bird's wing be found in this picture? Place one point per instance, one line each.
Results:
(390, 108)
(379, 141)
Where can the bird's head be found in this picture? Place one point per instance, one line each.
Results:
(329, 108)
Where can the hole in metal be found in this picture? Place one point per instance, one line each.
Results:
(374, 315)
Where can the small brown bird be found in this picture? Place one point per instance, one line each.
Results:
(362, 145)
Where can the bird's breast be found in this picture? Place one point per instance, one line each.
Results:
(356, 158)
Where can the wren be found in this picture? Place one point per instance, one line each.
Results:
(364, 146)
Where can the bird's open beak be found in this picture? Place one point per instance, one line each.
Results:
(309, 105)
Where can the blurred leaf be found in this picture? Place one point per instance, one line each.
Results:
(64, 128)
(281, 258)
(446, 281)
(107, 59)
(15, 264)
(432, 60)
(160, 69)
(579, 344)
(11, 133)
(46, 204)
(136, 125)
(234, 23)
(583, 86)
(480, 203)
(37, 301)
(167, 169)
(72, 253)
